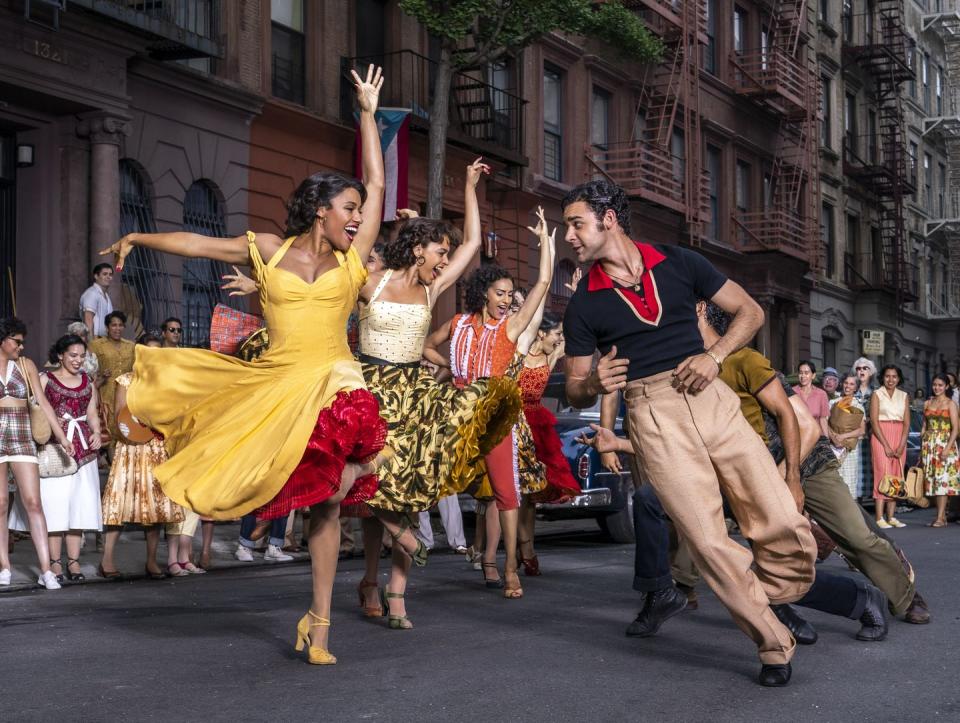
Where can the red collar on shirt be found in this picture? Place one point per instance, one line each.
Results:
(647, 307)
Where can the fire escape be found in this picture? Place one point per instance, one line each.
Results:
(944, 122)
(661, 164)
(877, 43)
(781, 76)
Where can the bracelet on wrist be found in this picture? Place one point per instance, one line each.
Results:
(716, 358)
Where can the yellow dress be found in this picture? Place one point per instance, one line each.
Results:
(236, 430)
(116, 359)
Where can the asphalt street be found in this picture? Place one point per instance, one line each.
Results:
(220, 647)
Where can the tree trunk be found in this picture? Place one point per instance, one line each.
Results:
(439, 123)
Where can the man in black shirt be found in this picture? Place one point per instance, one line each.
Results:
(688, 433)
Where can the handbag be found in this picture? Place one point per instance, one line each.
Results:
(230, 327)
(39, 424)
(908, 488)
(131, 429)
(54, 461)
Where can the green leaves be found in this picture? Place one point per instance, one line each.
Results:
(478, 31)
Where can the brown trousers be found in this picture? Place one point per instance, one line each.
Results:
(692, 446)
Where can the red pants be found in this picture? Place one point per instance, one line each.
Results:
(502, 470)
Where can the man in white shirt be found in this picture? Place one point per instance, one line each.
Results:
(95, 303)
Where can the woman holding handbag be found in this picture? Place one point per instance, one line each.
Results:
(18, 450)
(71, 503)
(938, 447)
(846, 444)
(889, 427)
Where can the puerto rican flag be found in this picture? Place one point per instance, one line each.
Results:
(394, 125)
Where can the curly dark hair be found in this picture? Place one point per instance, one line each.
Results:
(61, 345)
(476, 285)
(10, 326)
(717, 318)
(317, 191)
(398, 253)
(115, 315)
(550, 321)
(148, 338)
(895, 368)
(602, 196)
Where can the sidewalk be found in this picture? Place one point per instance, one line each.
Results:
(131, 552)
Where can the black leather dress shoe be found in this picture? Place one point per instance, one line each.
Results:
(917, 613)
(874, 620)
(802, 631)
(660, 606)
(775, 676)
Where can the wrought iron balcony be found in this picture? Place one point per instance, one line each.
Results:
(771, 74)
(483, 117)
(774, 229)
(177, 29)
(944, 19)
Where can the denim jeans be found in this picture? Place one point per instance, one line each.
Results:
(277, 530)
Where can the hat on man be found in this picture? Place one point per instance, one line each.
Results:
(829, 372)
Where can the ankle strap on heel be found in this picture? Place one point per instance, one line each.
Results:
(322, 622)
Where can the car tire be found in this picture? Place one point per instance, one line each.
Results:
(619, 525)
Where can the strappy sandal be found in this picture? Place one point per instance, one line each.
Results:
(531, 566)
(60, 564)
(419, 555)
(492, 584)
(192, 569)
(396, 622)
(179, 572)
(315, 655)
(938, 523)
(74, 576)
(373, 611)
(510, 592)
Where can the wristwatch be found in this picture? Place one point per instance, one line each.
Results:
(716, 358)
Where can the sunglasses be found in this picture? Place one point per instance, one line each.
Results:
(175, 331)
(862, 368)
(18, 342)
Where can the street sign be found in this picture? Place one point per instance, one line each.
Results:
(872, 342)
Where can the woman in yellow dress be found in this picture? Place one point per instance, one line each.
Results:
(115, 355)
(296, 427)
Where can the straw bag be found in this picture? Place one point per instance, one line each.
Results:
(39, 425)
(54, 461)
(908, 488)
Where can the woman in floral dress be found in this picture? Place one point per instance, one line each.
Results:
(938, 447)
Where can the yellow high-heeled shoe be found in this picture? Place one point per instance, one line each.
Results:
(315, 656)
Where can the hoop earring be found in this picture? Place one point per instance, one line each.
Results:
(421, 261)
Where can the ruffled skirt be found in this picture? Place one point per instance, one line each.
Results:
(350, 430)
(561, 484)
(438, 433)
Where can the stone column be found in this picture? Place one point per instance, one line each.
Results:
(106, 132)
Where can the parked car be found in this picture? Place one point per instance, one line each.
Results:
(605, 496)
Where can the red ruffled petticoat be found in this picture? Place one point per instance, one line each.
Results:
(560, 482)
(349, 430)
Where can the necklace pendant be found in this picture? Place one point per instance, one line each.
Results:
(636, 288)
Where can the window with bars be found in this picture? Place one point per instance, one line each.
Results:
(559, 292)
(288, 48)
(203, 213)
(552, 128)
(146, 291)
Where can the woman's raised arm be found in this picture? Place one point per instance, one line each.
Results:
(374, 180)
(472, 234)
(193, 245)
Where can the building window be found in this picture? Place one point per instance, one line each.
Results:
(739, 30)
(552, 128)
(938, 89)
(829, 239)
(710, 51)
(767, 190)
(927, 182)
(147, 292)
(941, 191)
(846, 21)
(600, 119)
(912, 64)
(715, 169)
(850, 123)
(679, 152)
(203, 214)
(872, 137)
(925, 80)
(743, 186)
(829, 351)
(823, 11)
(912, 168)
(288, 47)
(559, 292)
(826, 130)
(500, 76)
